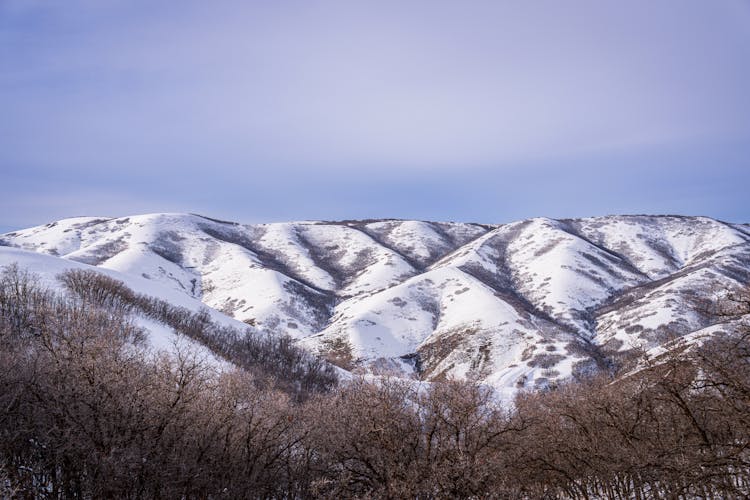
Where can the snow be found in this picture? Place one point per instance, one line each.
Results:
(56, 238)
(659, 246)
(424, 242)
(161, 337)
(671, 307)
(428, 310)
(559, 273)
(283, 240)
(366, 265)
(467, 300)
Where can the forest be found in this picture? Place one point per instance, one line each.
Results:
(88, 411)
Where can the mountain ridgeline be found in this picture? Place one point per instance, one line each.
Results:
(517, 305)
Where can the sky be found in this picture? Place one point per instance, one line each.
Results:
(481, 111)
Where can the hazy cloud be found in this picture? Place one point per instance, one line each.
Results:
(255, 93)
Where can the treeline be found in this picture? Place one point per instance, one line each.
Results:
(274, 360)
(87, 412)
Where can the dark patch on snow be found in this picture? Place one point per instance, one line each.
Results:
(398, 302)
(307, 305)
(102, 252)
(167, 245)
(545, 360)
(89, 224)
(218, 221)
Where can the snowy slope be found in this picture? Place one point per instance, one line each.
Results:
(558, 273)
(161, 337)
(515, 305)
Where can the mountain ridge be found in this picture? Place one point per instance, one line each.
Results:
(514, 305)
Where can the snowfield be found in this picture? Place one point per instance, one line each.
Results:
(517, 305)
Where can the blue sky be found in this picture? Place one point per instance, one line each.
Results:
(476, 111)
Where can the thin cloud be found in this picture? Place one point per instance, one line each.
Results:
(259, 91)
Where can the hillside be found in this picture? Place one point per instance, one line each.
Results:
(513, 305)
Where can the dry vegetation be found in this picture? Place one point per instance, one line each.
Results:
(86, 412)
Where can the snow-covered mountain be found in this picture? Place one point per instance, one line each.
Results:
(514, 305)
